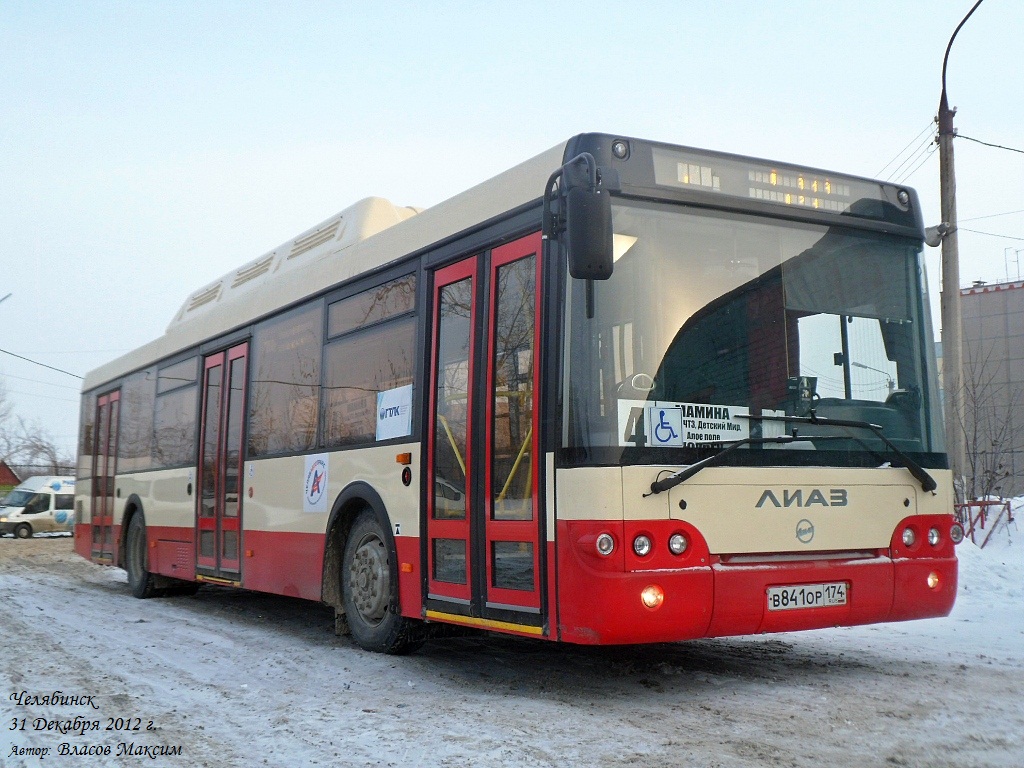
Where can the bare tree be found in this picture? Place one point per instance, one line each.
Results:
(25, 446)
(990, 401)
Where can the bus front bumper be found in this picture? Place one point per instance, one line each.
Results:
(601, 600)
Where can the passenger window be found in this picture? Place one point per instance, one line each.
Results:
(65, 501)
(285, 391)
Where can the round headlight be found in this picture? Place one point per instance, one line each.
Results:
(956, 533)
(934, 536)
(642, 545)
(677, 544)
(908, 537)
(605, 544)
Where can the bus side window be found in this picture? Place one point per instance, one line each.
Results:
(65, 501)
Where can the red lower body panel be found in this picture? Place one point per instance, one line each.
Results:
(289, 564)
(600, 597)
(282, 563)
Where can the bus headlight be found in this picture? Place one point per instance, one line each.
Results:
(908, 537)
(934, 536)
(642, 545)
(677, 544)
(956, 533)
(605, 544)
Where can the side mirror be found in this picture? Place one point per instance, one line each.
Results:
(589, 233)
(588, 220)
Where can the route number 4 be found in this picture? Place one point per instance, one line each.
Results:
(635, 427)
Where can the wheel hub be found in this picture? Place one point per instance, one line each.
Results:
(370, 580)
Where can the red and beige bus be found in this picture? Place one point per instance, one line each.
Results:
(625, 392)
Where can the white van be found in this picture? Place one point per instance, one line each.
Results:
(38, 505)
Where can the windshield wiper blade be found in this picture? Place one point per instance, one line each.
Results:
(658, 486)
(920, 474)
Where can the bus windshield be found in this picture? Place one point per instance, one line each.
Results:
(715, 327)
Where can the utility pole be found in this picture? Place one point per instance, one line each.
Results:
(952, 346)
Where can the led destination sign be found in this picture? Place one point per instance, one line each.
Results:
(783, 185)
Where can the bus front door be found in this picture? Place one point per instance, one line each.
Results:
(104, 470)
(484, 518)
(219, 484)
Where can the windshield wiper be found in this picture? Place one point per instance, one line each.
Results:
(683, 475)
(920, 474)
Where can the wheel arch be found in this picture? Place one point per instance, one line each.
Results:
(354, 499)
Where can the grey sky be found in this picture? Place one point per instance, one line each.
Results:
(148, 147)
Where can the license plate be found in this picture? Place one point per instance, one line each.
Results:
(806, 596)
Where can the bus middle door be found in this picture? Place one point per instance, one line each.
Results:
(484, 542)
(219, 497)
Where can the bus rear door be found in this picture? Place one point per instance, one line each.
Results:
(104, 469)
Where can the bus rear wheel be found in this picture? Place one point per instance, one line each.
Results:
(140, 580)
(23, 531)
(370, 591)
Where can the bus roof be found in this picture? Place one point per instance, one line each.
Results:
(364, 236)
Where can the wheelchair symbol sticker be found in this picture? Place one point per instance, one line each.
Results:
(666, 426)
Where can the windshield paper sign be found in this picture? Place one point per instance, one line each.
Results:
(394, 413)
(680, 425)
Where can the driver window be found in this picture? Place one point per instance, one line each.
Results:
(38, 503)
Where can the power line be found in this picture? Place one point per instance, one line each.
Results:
(51, 398)
(993, 215)
(900, 153)
(912, 157)
(990, 234)
(918, 166)
(39, 381)
(43, 365)
(987, 144)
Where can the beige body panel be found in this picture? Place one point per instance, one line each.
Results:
(277, 490)
(278, 487)
(589, 493)
(759, 509)
(164, 495)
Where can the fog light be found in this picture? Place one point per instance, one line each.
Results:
(642, 545)
(934, 536)
(652, 597)
(677, 544)
(605, 544)
(933, 580)
(956, 533)
(908, 537)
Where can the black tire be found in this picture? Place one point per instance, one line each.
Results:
(23, 531)
(136, 560)
(369, 586)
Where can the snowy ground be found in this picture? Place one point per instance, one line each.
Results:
(242, 679)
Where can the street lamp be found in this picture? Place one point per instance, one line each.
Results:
(952, 350)
(891, 382)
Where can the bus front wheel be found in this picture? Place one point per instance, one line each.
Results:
(140, 580)
(23, 531)
(370, 591)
